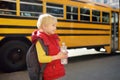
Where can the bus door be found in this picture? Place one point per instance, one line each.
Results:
(115, 30)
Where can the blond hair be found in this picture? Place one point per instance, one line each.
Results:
(45, 19)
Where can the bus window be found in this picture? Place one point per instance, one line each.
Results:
(29, 9)
(96, 16)
(72, 13)
(105, 17)
(84, 14)
(55, 9)
(8, 7)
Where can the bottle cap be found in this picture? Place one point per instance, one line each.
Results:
(63, 43)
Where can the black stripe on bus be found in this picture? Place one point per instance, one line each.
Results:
(18, 17)
(89, 46)
(66, 28)
(13, 26)
(15, 35)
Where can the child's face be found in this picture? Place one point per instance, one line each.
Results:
(50, 28)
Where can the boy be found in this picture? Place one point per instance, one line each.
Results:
(46, 31)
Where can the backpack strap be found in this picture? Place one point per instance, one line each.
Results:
(45, 48)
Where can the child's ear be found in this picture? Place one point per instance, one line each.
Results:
(44, 25)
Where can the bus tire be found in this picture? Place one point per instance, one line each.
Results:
(13, 55)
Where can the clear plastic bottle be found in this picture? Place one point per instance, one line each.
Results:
(64, 49)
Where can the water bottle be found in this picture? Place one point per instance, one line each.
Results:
(64, 49)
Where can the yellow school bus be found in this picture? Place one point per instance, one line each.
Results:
(81, 24)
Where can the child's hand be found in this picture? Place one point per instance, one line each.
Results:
(62, 55)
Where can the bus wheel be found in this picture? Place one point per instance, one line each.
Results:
(13, 55)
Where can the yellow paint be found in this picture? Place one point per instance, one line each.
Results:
(108, 49)
(1, 37)
(18, 22)
(18, 7)
(28, 37)
(71, 41)
(16, 31)
(82, 32)
(83, 25)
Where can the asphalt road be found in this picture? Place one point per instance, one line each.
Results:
(89, 67)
